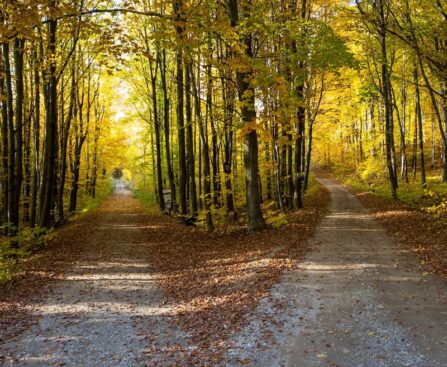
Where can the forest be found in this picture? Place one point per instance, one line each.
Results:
(222, 101)
(226, 116)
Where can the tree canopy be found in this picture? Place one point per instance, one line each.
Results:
(215, 109)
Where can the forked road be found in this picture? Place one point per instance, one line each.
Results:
(356, 300)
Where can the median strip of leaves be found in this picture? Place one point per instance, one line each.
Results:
(214, 281)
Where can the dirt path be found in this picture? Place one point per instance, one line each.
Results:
(356, 300)
(107, 305)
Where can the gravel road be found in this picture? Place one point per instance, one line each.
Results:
(356, 300)
(107, 311)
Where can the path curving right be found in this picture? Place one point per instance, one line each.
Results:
(356, 300)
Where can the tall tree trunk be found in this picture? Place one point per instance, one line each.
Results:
(48, 174)
(228, 101)
(300, 116)
(81, 133)
(19, 45)
(27, 163)
(99, 114)
(444, 112)
(154, 72)
(386, 93)
(277, 161)
(246, 94)
(190, 143)
(415, 148)
(421, 132)
(205, 153)
(286, 195)
(309, 154)
(76, 173)
(402, 130)
(36, 137)
(64, 144)
(11, 140)
(288, 157)
(215, 150)
(4, 140)
(178, 5)
(164, 86)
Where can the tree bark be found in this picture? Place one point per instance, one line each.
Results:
(164, 86)
(205, 154)
(420, 128)
(4, 140)
(190, 143)
(64, 144)
(246, 95)
(36, 136)
(178, 5)
(48, 174)
(154, 72)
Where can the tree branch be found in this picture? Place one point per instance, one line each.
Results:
(113, 10)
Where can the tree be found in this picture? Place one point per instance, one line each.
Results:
(246, 93)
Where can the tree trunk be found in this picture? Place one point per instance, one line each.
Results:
(421, 132)
(309, 155)
(161, 200)
(48, 174)
(36, 136)
(205, 154)
(386, 93)
(64, 144)
(11, 140)
(4, 138)
(228, 101)
(246, 94)
(162, 62)
(178, 5)
(19, 45)
(190, 143)
(300, 117)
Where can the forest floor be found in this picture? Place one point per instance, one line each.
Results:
(124, 287)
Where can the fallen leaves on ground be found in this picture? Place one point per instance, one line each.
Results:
(418, 231)
(215, 280)
(19, 296)
(211, 281)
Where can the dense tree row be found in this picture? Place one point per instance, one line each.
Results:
(246, 80)
(392, 119)
(51, 111)
(238, 98)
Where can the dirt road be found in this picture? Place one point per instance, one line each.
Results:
(103, 310)
(356, 300)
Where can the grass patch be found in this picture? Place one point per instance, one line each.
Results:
(225, 222)
(30, 240)
(412, 193)
(86, 203)
(147, 200)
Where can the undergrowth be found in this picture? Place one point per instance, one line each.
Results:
(25, 243)
(225, 222)
(29, 240)
(431, 199)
